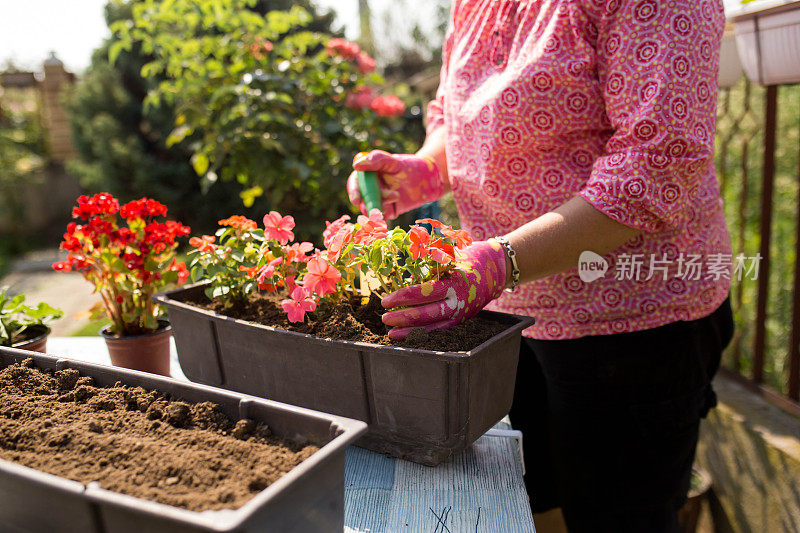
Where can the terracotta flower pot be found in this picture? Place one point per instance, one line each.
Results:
(146, 353)
(37, 343)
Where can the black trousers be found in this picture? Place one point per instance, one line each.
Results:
(611, 422)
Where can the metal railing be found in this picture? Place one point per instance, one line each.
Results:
(758, 163)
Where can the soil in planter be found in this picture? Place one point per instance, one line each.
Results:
(137, 442)
(349, 319)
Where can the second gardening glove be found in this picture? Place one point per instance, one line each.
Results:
(407, 181)
(440, 304)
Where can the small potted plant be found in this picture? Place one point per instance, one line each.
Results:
(290, 322)
(127, 263)
(22, 326)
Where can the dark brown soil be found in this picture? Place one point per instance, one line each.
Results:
(349, 319)
(137, 442)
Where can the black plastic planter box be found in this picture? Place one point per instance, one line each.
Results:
(308, 498)
(420, 405)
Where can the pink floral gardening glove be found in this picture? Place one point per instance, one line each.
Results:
(407, 181)
(479, 278)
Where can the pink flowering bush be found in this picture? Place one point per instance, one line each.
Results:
(359, 257)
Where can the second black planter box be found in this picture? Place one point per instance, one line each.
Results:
(420, 405)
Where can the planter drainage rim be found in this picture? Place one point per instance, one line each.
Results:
(344, 431)
(519, 323)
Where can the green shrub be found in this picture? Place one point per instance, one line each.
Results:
(259, 101)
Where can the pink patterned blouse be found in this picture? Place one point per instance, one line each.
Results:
(612, 100)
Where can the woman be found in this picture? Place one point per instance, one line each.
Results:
(572, 126)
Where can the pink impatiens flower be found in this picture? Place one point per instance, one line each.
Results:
(298, 304)
(338, 242)
(441, 252)
(296, 253)
(461, 237)
(268, 270)
(321, 277)
(331, 228)
(419, 242)
(278, 227)
(373, 227)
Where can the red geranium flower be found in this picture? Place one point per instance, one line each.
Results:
(142, 208)
(99, 204)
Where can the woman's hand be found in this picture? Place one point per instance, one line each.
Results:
(407, 181)
(479, 278)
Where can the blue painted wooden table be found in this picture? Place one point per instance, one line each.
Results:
(480, 490)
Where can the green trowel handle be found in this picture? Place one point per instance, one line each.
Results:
(370, 189)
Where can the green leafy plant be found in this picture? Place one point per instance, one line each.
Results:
(16, 318)
(225, 259)
(262, 101)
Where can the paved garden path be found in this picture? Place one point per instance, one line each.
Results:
(33, 276)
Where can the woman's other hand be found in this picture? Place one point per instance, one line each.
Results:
(479, 278)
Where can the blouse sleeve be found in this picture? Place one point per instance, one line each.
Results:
(657, 67)
(435, 114)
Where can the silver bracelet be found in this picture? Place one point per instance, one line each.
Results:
(512, 255)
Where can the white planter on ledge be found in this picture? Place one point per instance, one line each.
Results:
(730, 66)
(768, 40)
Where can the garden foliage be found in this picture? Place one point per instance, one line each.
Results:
(121, 144)
(262, 101)
(22, 154)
